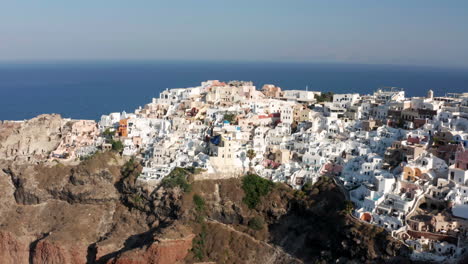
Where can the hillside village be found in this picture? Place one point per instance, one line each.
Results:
(403, 162)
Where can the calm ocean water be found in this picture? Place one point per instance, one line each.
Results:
(89, 89)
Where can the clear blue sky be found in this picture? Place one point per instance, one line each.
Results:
(420, 32)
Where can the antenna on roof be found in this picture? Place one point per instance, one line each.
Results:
(307, 88)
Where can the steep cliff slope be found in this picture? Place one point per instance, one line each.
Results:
(287, 226)
(61, 213)
(55, 213)
(96, 212)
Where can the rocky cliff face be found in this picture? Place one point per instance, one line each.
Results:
(57, 213)
(13, 249)
(96, 212)
(169, 246)
(298, 227)
(31, 140)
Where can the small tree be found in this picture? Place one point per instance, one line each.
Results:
(199, 202)
(177, 177)
(254, 188)
(117, 146)
(308, 186)
(230, 117)
(250, 154)
(108, 134)
(349, 206)
(324, 97)
(256, 223)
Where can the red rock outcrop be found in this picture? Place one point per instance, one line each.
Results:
(161, 252)
(47, 252)
(17, 250)
(12, 249)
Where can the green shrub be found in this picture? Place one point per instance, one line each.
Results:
(199, 202)
(177, 177)
(307, 187)
(229, 117)
(348, 207)
(199, 244)
(299, 194)
(137, 201)
(254, 188)
(108, 133)
(129, 167)
(256, 223)
(130, 172)
(324, 97)
(117, 145)
(194, 170)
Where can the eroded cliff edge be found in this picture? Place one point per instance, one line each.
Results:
(94, 211)
(72, 213)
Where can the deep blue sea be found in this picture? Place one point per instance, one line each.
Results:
(86, 90)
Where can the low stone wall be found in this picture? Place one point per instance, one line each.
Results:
(216, 176)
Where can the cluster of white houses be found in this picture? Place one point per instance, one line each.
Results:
(403, 161)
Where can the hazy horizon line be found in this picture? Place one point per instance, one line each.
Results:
(138, 60)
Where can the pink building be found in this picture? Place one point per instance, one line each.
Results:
(461, 159)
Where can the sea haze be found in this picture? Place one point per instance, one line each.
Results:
(86, 90)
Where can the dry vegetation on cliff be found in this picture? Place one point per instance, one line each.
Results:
(309, 226)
